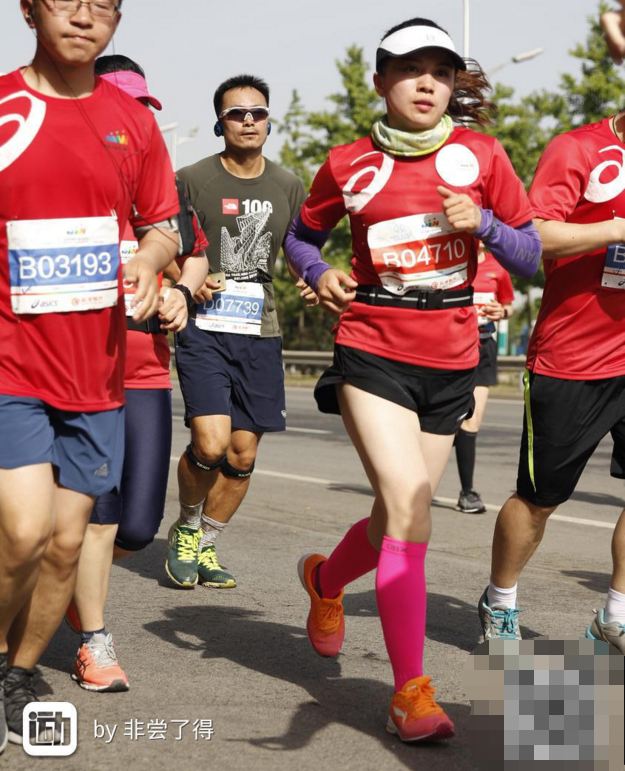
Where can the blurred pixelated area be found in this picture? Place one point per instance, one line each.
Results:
(556, 700)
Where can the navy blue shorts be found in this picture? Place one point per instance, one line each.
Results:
(236, 375)
(87, 448)
(138, 506)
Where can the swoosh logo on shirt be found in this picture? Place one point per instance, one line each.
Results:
(28, 127)
(599, 192)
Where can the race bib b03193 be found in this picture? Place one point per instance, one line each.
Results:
(63, 265)
(238, 310)
(421, 251)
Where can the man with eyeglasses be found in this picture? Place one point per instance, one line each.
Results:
(229, 358)
(78, 160)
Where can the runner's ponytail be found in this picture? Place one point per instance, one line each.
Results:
(469, 103)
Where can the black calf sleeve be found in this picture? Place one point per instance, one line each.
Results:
(465, 455)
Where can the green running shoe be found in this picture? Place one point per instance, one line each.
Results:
(210, 571)
(182, 558)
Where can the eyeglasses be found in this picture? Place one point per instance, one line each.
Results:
(96, 7)
(239, 114)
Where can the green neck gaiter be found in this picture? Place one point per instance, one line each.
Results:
(411, 143)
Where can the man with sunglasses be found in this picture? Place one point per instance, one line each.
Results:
(78, 160)
(229, 358)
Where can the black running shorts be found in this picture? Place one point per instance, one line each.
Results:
(442, 398)
(564, 422)
(487, 368)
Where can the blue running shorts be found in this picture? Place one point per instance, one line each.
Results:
(86, 448)
(237, 375)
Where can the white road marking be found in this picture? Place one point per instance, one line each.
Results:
(438, 499)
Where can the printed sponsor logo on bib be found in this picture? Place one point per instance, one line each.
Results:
(457, 165)
(238, 310)
(481, 300)
(421, 251)
(63, 265)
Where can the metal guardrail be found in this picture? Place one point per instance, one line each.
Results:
(320, 359)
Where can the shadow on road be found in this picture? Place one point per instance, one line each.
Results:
(449, 620)
(282, 652)
(596, 582)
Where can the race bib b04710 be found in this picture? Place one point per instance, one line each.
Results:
(63, 265)
(421, 251)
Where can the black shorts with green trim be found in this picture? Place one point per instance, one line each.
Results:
(564, 422)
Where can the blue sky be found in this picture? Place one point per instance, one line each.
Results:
(187, 47)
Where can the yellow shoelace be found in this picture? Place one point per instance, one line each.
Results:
(186, 546)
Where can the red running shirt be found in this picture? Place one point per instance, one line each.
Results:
(401, 239)
(70, 173)
(580, 330)
(492, 282)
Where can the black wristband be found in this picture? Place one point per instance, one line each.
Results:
(505, 313)
(186, 292)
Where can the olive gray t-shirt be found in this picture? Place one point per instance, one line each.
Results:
(245, 222)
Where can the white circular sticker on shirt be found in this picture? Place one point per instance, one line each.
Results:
(457, 165)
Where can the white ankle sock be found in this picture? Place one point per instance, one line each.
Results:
(210, 530)
(501, 597)
(615, 607)
(190, 514)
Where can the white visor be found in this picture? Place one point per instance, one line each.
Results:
(410, 39)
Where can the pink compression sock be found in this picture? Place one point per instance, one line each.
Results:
(401, 595)
(352, 558)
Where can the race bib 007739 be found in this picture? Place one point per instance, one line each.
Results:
(421, 251)
(63, 265)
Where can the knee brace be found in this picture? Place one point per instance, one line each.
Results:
(203, 466)
(229, 470)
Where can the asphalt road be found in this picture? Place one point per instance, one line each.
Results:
(240, 657)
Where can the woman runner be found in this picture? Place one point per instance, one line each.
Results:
(420, 193)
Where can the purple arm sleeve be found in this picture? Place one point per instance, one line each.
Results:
(518, 250)
(302, 247)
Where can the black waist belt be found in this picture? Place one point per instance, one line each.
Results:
(422, 300)
(152, 326)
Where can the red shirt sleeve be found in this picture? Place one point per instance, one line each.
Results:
(505, 290)
(155, 197)
(560, 180)
(504, 192)
(324, 207)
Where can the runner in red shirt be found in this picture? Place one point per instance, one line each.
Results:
(126, 520)
(493, 298)
(575, 384)
(78, 159)
(419, 193)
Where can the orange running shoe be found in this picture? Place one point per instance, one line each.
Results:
(72, 618)
(326, 625)
(414, 715)
(97, 668)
